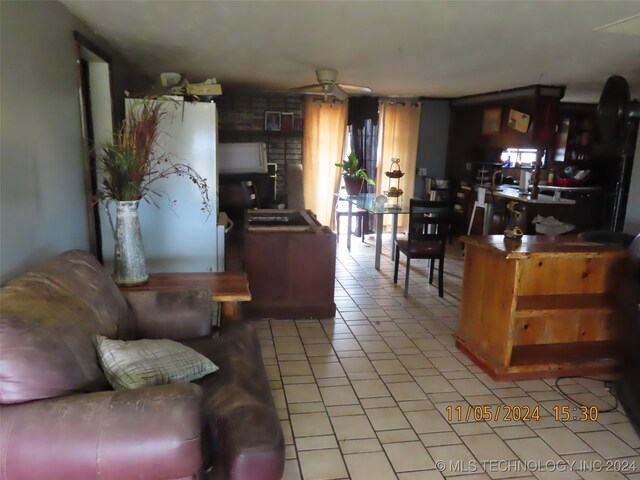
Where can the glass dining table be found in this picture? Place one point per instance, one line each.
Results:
(367, 201)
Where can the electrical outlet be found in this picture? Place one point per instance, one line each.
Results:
(468, 166)
(422, 172)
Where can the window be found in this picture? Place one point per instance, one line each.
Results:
(521, 158)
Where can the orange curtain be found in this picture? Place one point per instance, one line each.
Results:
(398, 138)
(324, 133)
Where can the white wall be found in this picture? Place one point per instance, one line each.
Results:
(632, 219)
(433, 140)
(42, 200)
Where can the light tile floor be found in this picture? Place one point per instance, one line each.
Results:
(372, 394)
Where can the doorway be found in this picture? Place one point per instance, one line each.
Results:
(96, 113)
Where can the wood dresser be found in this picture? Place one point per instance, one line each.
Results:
(538, 307)
(290, 259)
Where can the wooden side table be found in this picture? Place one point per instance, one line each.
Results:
(228, 288)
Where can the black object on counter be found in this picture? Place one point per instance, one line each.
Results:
(607, 237)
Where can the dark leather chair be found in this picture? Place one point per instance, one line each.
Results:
(429, 226)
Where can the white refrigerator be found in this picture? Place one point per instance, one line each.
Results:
(180, 237)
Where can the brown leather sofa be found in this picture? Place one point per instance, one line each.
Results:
(59, 418)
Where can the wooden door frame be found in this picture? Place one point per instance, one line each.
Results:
(89, 169)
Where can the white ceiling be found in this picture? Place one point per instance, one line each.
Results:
(444, 48)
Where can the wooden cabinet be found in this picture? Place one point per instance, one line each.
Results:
(576, 134)
(290, 264)
(539, 307)
(468, 142)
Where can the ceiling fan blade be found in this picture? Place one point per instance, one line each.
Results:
(313, 88)
(340, 94)
(355, 88)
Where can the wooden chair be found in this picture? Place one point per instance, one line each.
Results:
(492, 207)
(429, 226)
(342, 210)
(459, 214)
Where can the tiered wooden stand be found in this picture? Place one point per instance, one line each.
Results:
(538, 307)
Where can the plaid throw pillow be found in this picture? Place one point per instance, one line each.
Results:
(142, 363)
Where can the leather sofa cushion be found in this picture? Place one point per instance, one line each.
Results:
(148, 433)
(48, 317)
(42, 361)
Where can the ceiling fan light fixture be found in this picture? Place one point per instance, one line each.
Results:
(327, 86)
(326, 75)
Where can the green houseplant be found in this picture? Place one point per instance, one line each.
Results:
(130, 169)
(354, 176)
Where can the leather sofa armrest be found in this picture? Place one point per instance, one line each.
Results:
(239, 408)
(151, 433)
(177, 315)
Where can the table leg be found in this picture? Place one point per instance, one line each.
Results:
(229, 311)
(349, 226)
(378, 239)
(488, 218)
(394, 234)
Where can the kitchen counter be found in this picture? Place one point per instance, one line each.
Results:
(513, 193)
(564, 209)
(529, 245)
(552, 188)
(539, 307)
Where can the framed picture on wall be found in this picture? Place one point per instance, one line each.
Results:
(491, 121)
(272, 121)
(518, 121)
(286, 122)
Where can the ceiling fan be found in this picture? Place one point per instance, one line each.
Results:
(327, 86)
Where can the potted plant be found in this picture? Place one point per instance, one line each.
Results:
(130, 168)
(354, 176)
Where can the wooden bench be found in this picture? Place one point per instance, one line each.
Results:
(228, 288)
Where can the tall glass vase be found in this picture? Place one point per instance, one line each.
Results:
(129, 266)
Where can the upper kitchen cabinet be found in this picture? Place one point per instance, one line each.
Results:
(519, 118)
(576, 133)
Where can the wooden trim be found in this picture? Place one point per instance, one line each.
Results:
(524, 366)
(88, 44)
(228, 288)
(224, 286)
(93, 230)
(533, 305)
(556, 91)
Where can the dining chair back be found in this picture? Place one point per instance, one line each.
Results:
(461, 202)
(429, 226)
